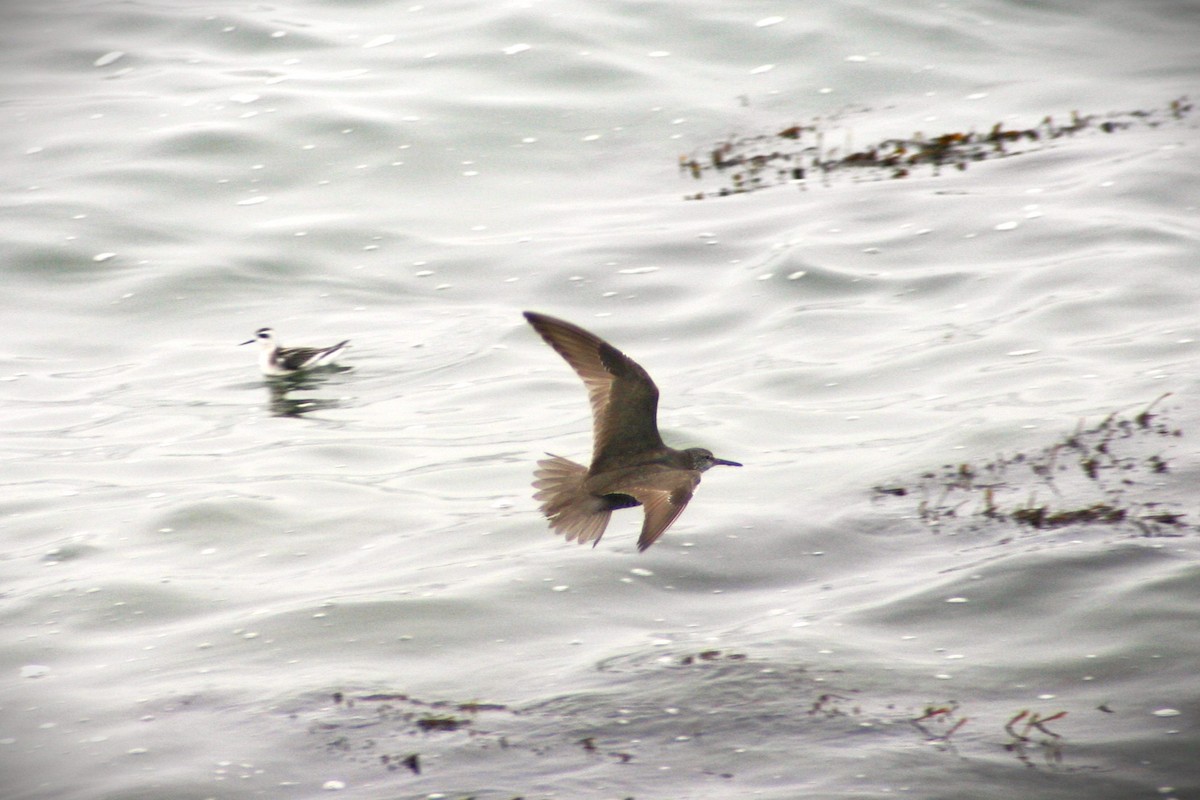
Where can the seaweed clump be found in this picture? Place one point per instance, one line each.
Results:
(391, 716)
(799, 152)
(1108, 474)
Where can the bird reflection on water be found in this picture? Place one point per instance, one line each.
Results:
(280, 389)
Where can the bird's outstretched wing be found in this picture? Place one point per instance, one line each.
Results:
(624, 399)
(664, 496)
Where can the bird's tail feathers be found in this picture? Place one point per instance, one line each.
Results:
(572, 510)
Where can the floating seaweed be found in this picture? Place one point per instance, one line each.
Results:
(749, 700)
(1050, 744)
(939, 723)
(711, 655)
(1105, 475)
(798, 152)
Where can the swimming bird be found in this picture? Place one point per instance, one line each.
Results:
(275, 359)
(630, 464)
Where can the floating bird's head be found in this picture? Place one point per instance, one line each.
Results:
(702, 459)
(264, 336)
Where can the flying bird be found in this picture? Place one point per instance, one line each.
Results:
(631, 466)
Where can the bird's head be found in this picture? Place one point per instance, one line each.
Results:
(264, 336)
(704, 459)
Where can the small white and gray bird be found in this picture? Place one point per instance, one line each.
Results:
(274, 359)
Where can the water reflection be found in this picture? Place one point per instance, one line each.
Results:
(280, 390)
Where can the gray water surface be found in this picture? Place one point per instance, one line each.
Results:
(212, 586)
